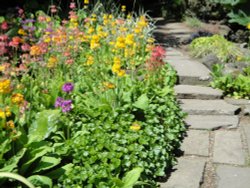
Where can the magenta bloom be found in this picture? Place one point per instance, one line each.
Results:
(68, 87)
(58, 102)
(66, 105)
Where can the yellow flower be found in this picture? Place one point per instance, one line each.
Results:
(248, 26)
(10, 124)
(86, 1)
(135, 126)
(47, 39)
(52, 61)
(108, 85)
(129, 39)
(116, 67)
(7, 111)
(94, 43)
(2, 68)
(21, 32)
(121, 73)
(5, 86)
(2, 114)
(142, 22)
(120, 42)
(90, 60)
(48, 19)
(90, 30)
(17, 98)
(239, 58)
(137, 30)
(150, 40)
(123, 8)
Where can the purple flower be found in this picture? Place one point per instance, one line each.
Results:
(68, 87)
(58, 102)
(66, 106)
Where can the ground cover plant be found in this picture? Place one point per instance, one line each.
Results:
(87, 101)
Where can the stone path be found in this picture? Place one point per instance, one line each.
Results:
(217, 146)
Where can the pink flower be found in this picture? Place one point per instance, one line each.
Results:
(3, 37)
(25, 47)
(72, 5)
(158, 52)
(4, 25)
(53, 9)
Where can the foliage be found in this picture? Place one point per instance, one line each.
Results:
(236, 10)
(86, 101)
(225, 51)
(235, 85)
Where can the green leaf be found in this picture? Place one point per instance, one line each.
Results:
(44, 125)
(41, 181)
(2, 19)
(46, 163)
(142, 102)
(55, 174)
(12, 162)
(36, 150)
(132, 177)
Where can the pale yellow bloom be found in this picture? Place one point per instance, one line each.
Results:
(135, 126)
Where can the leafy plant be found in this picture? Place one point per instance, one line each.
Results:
(226, 51)
(234, 85)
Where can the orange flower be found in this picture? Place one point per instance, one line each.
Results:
(108, 85)
(35, 50)
(10, 124)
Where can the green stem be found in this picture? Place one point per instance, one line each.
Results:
(16, 177)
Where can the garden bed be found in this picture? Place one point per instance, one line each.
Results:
(87, 101)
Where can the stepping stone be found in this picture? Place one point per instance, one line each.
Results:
(233, 177)
(228, 148)
(196, 143)
(212, 122)
(189, 174)
(197, 92)
(245, 123)
(208, 107)
(190, 72)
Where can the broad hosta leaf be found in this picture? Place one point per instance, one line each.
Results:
(40, 181)
(46, 163)
(142, 102)
(44, 125)
(132, 177)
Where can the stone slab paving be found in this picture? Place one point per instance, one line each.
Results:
(208, 107)
(212, 122)
(228, 148)
(190, 72)
(188, 174)
(196, 143)
(233, 177)
(245, 124)
(197, 92)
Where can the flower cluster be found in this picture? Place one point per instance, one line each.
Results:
(156, 59)
(66, 105)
